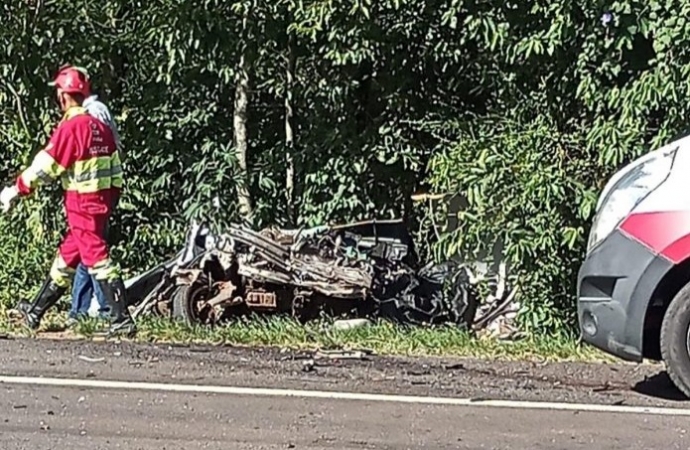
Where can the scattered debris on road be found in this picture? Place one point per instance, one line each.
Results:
(342, 354)
(308, 366)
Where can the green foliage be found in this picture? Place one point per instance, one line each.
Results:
(522, 109)
(533, 202)
(573, 96)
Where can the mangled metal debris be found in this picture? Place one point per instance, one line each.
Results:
(365, 269)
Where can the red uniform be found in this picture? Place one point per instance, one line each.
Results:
(82, 152)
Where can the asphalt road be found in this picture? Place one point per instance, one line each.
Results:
(134, 415)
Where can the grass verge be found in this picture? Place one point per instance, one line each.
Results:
(381, 337)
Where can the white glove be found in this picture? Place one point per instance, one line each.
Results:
(6, 196)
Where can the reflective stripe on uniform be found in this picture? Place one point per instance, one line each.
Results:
(94, 174)
(43, 168)
(105, 270)
(61, 273)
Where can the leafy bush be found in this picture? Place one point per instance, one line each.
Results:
(522, 190)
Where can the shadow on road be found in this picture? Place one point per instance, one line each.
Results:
(660, 386)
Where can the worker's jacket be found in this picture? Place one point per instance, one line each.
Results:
(82, 153)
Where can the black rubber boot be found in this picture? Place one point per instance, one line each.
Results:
(122, 323)
(48, 296)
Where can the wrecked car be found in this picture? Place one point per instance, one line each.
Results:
(363, 269)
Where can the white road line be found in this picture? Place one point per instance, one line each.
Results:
(297, 393)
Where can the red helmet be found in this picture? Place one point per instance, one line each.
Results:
(72, 80)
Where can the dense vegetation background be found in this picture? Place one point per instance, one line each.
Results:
(304, 112)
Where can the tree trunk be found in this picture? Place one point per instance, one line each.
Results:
(240, 130)
(289, 133)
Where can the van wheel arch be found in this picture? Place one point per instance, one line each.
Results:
(664, 293)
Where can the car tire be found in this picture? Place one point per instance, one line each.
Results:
(182, 308)
(675, 349)
(185, 304)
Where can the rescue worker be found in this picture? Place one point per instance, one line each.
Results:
(84, 285)
(82, 152)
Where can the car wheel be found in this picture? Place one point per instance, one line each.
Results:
(187, 304)
(675, 340)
